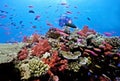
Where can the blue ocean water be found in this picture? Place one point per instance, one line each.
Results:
(19, 18)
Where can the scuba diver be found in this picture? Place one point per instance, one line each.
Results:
(66, 22)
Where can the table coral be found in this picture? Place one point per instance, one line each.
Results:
(69, 55)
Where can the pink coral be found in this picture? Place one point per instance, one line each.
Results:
(91, 52)
(107, 48)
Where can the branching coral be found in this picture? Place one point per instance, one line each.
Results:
(32, 68)
(37, 67)
(25, 71)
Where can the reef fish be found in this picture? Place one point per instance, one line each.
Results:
(107, 34)
(63, 3)
(3, 16)
(31, 11)
(37, 17)
(30, 6)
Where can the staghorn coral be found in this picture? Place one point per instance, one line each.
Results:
(32, 68)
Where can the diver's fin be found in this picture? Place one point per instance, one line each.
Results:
(70, 25)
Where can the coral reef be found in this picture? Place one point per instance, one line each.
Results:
(114, 41)
(65, 55)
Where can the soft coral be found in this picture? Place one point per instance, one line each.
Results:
(41, 47)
